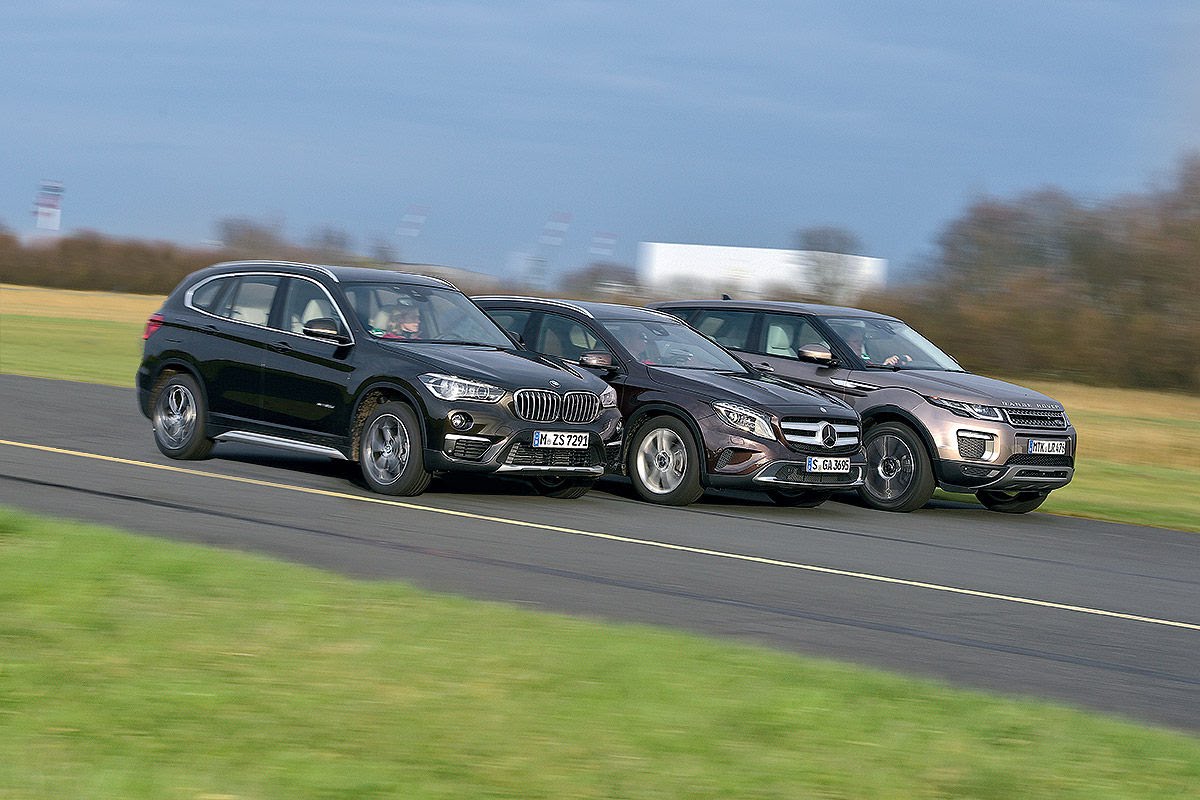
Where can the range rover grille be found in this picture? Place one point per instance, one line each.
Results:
(1040, 460)
(543, 405)
(1033, 418)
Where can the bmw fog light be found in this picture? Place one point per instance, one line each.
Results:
(461, 421)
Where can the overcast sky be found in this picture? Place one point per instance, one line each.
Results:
(700, 122)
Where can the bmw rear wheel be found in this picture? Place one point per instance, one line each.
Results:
(178, 415)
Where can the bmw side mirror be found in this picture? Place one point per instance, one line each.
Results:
(326, 328)
(816, 354)
(516, 337)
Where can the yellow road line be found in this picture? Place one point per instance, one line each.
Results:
(866, 576)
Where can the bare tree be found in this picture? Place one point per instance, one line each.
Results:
(828, 258)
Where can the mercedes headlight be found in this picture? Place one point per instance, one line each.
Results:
(608, 398)
(452, 387)
(745, 419)
(973, 410)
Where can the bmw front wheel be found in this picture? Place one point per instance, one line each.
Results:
(390, 451)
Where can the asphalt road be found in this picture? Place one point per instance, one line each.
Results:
(1092, 614)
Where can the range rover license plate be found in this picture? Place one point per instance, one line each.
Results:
(1048, 447)
(560, 439)
(828, 464)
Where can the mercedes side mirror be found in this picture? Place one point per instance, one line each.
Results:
(597, 359)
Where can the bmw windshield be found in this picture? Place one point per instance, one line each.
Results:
(407, 312)
(670, 344)
(889, 344)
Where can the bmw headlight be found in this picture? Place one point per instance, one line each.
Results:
(973, 410)
(608, 398)
(745, 419)
(452, 387)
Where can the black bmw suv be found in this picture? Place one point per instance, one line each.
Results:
(401, 373)
(696, 415)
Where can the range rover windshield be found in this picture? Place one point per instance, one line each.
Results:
(670, 344)
(405, 312)
(889, 344)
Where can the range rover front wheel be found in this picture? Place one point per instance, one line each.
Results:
(390, 451)
(1011, 502)
(899, 475)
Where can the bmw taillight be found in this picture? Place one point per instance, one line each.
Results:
(154, 323)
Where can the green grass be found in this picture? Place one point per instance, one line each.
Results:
(93, 351)
(137, 668)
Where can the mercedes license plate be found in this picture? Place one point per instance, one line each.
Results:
(828, 464)
(560, 439)
(1048, 447)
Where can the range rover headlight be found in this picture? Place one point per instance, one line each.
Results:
(745, 419)
(608, 398)
(452, 387)
(973, 410)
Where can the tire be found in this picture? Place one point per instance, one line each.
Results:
(664, 463)
(563, 488)
(178, 413)
(899, 474)
(391, 451)
(1011, 502)
(799, 498)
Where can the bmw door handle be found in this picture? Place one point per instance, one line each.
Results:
(280, 347)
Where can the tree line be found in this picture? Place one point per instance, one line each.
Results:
(1039, 285)
(1045, 285)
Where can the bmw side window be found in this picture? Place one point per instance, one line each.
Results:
(305, 301)
(727, 328)
(205, 296)
(251, 301)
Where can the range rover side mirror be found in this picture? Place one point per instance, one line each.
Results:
(816, 354)
(326, 328)
(597, 359)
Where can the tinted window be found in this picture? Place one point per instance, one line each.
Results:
(669, 344)
(511, 319)
(885, 343)
(729, 328)
(564, 337)
(205, 296)
(785, 334)
(251, 299)
(422, 313)
(305, 301)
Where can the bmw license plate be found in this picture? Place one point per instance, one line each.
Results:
(1048, 447)
(560, 439)
(828, 464)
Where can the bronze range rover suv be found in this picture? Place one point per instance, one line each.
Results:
(927, 422)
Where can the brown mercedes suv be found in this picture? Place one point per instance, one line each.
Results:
(927, 422)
